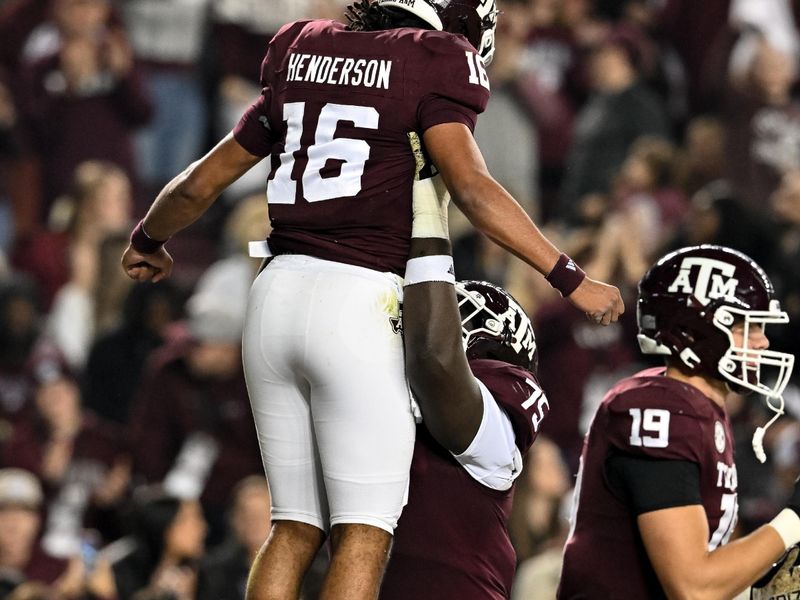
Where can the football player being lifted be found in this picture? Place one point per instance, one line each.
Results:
(655, 501)
(323, 363)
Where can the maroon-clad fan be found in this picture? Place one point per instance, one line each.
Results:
(322, 357)
(482, 408)
(655, 501)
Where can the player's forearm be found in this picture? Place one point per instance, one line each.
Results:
(729, 569)
(437, 367)
(182, 201)
(492, 210)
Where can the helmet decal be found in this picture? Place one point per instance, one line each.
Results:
(714, 279)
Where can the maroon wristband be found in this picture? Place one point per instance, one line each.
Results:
(566, 275)
(143, 243)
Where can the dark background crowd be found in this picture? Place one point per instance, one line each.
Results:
(129, 466)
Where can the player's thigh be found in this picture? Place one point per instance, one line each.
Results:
(360, 400)
(279, 397)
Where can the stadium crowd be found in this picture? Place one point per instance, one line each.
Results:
(129, 465)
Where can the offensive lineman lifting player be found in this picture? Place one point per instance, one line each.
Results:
(323, 362)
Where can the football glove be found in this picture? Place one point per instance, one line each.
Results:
(782, 582)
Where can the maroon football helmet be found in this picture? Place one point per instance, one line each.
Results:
(689, 302)
(475, 19)
(493, 325)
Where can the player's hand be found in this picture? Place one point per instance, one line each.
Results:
(782, 581)
(601, 302)
(147, 267)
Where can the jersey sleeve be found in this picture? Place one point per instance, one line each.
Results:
(254, 131)
(654, 423)
(453, 82)
(519, 394)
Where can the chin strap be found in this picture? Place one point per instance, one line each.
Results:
(758, 435)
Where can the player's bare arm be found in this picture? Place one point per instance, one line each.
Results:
(491, 209)
(676, 540)
(181, 202)
(440, 377)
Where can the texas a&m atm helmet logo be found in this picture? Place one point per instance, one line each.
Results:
(689, 303)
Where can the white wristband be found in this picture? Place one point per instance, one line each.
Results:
(430, 268)
(787, 524)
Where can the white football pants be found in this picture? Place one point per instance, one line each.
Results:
(324, 365)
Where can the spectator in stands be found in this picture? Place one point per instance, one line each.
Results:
(21, 557)
(193, 407)
(702, 158)
(223, 573)
(148, 311)
(168, 38)
(80, 459)
(762, 121)
(99, 204)
(618, 112)
(20, 326)
(84, 100)
(161, 553)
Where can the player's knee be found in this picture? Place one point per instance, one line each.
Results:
(358, 536)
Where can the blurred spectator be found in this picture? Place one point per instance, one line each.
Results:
(716, 216)
(21, 557)
(168, 37)
(537, 524)
(593, 357)
(702, 158)
(18, 190)
(231, 276)
(79, 458)
(762, 122)
(477, 257)
(159, 558)
(91, 302)
(647, 211)
(785, 267)
(148, 311)
(618, 112)
(223, 573)
(90, 88)
(547, 80)
(18, 18)
(20, 325)
(193, 407)
(99, 205)
(691, 29)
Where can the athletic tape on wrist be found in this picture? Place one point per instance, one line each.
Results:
(787, 524)
(429, 207)
(566, 276)
(430, 268)
(143, 243)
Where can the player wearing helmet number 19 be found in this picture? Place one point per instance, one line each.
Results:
(322, 353)
(655, 501)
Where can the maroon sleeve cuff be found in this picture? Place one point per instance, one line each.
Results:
(566, 276)
(252, 132)
(143, 243)
(436, 111)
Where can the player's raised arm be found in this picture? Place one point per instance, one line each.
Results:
(491, 209)
(179, 204)
(440, 377)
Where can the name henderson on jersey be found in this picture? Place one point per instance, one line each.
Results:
(316, 68)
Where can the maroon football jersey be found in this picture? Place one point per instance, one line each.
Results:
(334, 116)
(647, 415)
(451, 541)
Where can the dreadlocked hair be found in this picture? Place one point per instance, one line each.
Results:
(367, 15)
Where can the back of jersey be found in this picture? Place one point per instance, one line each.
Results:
(335, 113)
